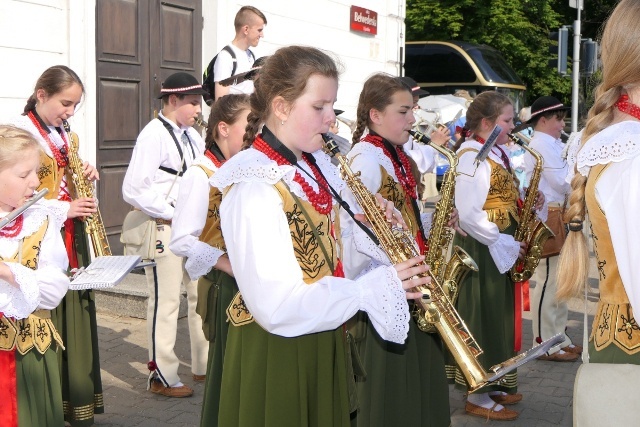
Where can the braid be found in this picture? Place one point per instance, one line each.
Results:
(573, 264)
(31, 105)
(361, 125)
(253, 124)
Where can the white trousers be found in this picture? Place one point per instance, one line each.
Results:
(549, 317)
(162, 313)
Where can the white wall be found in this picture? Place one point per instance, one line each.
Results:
(323, 24)
(36, 34)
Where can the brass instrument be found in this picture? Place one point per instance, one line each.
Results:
(93, 224)
(350, 123)
(450, 273)
(530, 230)
(400, 246)
(200, 122)
(431, 127)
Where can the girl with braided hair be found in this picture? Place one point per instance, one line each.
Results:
(604, 185)
(197, 237)
(405, 383)
(286, 360)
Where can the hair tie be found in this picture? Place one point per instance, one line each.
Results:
(575, 225)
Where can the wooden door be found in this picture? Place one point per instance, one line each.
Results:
(138, 44)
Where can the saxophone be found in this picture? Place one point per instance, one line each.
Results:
(450, 273)
(529, 229)
(400, 246)
(93, 224)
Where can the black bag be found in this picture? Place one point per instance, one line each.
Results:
(208, 81)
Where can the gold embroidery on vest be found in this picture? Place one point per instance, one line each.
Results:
(36, 331)
(212, 232)
(306, 248)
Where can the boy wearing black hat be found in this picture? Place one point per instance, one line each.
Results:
(549, 317)
(163, 151)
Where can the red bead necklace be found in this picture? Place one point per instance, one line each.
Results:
(627, 107)
(407, 181)
(60, 154)
(320, 200)
(13, 228)
(213, 158)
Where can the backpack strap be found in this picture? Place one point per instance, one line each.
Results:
(233, 58)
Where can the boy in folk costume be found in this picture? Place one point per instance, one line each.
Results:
(549, 316)
(164, 150)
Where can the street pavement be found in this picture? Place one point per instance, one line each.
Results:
(547, 386)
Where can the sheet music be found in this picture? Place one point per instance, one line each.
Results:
(104, 272)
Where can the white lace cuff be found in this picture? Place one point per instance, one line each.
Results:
(385, 301)
(427, 220)
(201, 259)
(504, 252)
(367, 247)
(19, 302)
(57, 209)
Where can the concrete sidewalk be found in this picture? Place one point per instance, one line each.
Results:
(547, 386)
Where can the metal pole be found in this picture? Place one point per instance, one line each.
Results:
(575, 71)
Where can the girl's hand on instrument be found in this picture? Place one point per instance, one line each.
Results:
(90, 172)
(539, 201)
(409, 271)
(454, 222)
(82, 207)
(394, 217)
(440, 136)
(523, 251)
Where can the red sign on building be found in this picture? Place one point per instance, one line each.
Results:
(364, 20)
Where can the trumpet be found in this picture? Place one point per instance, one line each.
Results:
(350, 123)
(433, 126)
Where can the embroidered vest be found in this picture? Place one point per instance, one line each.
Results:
(212, 233)
(50, 175)
(37, 330)
(392, 190)
(614, 322)
(502, 201)
(308, 251)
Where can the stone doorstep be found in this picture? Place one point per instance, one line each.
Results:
(129, 298)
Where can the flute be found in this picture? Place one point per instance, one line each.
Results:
(16, 212)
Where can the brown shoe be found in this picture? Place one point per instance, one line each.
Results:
(158, 388)
(577, 349)
(199, 378)
(506, 399)
(490, 414)
(560, 357)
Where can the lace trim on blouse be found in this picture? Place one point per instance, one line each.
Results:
(504, 252)
(201, 259)
(252, 165)
(20, 302)
(377, 152)
(616, 143)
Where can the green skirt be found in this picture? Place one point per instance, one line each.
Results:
(215, 292)
(38, 387)
(75, 320)
(269, 380)
(487, 305)
(405, 384)
(611, 354)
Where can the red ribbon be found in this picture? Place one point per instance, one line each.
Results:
(8, 392)
(69, 242)
(526, 302)
(517, 318)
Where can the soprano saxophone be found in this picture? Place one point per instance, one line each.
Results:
(450, 273)
(93, 224)
(400, 246)
(530, 230)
